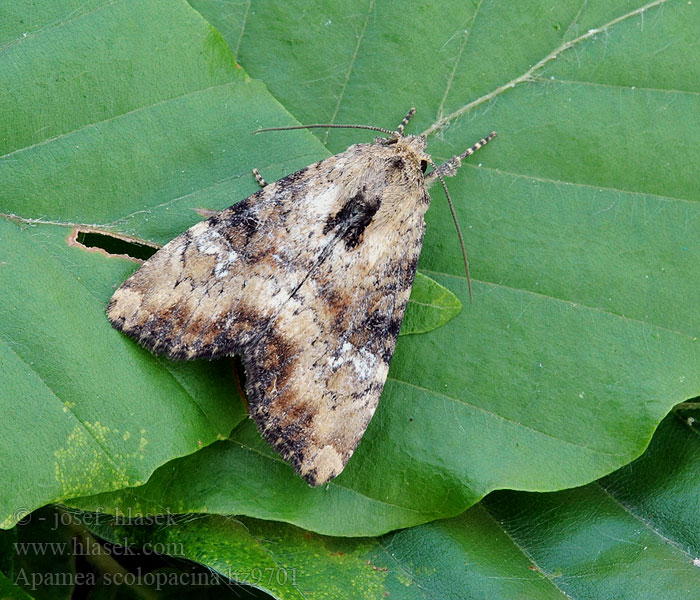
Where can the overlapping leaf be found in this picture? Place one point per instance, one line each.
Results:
(632, 535)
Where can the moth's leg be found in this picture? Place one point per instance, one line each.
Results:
(405, 121)
(449, 167)
(261, 182)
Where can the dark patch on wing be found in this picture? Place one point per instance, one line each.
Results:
(236, 224)
(353, 218)
(282, 420)
(410, 273)
(270, 361)
(249, 325)
(155, 332)
(375, 323)
(312, 477)
(394, 327)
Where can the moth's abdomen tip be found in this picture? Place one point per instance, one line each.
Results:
(325, 464)
(314, 480)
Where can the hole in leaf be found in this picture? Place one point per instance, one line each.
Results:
(114, 245)
(93, 240)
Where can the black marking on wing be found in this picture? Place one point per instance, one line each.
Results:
(353, 218)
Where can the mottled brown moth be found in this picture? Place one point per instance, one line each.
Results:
(307, 280)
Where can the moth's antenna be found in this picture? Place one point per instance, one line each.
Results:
(405, 121)
(449, 168)
(475, 147)
(326, 126)
(459, 229)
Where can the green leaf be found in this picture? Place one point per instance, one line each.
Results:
(662, 488)
(88, 412)
(10, 591)
(632, 535)
(126, 116)
(97, 142)
(431, 305)
(245, 476)
(426, 561)
(606, 540)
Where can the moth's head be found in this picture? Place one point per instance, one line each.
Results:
(412, 147)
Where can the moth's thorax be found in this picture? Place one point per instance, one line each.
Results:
(412, 146)
(398, 179)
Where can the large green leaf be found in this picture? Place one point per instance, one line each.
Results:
(580, 336)
(581, 232)
(632, 535)
(621, 537)
(93, 140)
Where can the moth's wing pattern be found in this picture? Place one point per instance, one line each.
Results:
(308, 279)
(212, 290)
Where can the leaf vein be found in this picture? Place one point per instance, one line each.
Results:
(502, 418)
(243, 26)
(527, 76)
(571, 303)
(70, 410)
(136, 110)
(350, 67)
(615, 86)
(334, 483)
(467, 34)
(71, 18)
(647, 524)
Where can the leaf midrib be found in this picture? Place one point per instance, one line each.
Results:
(88, 126)
(615, 86)
(505, 419)
(528, 75)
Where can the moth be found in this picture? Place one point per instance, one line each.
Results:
(308, 281)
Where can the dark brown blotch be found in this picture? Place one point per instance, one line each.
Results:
(353, 218)
(237, 224)
(397, 162)
(335, 304)
(271, 365)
